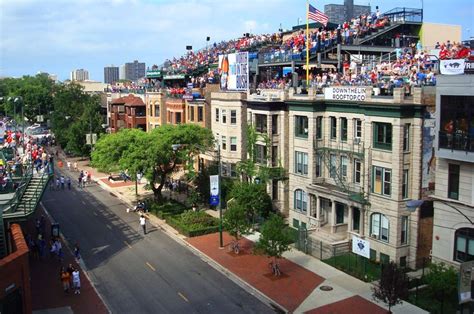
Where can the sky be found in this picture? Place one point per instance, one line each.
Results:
(58, 36)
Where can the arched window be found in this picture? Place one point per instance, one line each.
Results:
(300, 200)
(464, 245)
(379, 227)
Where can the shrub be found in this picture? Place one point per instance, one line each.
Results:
(193, 224)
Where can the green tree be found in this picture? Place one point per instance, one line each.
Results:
(392, 286)
(235, 220)
(151, 153)
(254, 197)
(75, 114)
(275, 238)
(442, 284)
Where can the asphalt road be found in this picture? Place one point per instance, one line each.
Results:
(136, 273)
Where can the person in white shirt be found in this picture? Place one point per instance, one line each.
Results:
(76, 281)
(143, 223)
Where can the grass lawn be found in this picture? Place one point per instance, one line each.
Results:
(356, 265)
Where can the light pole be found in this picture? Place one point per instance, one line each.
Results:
(219, 204)
(22, 113)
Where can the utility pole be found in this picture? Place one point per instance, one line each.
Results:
(219, 205)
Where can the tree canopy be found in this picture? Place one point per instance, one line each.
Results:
(151, 153)
(392, 287)
(275, 237)
(254, 197)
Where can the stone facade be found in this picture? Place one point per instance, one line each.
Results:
(453, 231)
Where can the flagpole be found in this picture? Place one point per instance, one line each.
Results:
(307, 42)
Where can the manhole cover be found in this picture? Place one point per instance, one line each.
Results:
(326, 288)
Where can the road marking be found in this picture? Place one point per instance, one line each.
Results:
(84, 203)
(149, 265)
(129, 246)
(95, 214)
(109, 227)
(183, 297)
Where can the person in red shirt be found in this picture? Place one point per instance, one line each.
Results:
(463, 53)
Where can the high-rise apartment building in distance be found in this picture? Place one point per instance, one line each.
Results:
(111, 74)
(134, 70)
(339, 13)
(80, 75)
(122, 72)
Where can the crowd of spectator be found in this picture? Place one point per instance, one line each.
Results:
(452, 50)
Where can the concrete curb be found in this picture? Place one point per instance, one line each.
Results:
(179, 238)
(81, 263)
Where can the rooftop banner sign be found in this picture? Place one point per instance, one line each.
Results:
(345, 93)
(175, 77)
(153, 73)
(452, 67)
(234, 71)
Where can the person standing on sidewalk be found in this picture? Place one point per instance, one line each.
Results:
(62, 182)
(65, 278)
(75, 166)
(68, 165)
(143, 223)
(68, 182)
(76, 281)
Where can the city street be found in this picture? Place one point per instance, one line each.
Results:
(136, 273)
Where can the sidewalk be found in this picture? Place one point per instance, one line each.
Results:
(46, 288)
(297, 290)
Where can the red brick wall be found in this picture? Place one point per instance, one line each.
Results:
(14, 269)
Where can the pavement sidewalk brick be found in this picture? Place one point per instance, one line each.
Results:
(46, 288)
(355, 304)
(288, 290)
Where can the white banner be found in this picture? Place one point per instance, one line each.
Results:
(345, 93)
(452, 67)
(214, 185)
(360, 247)
(234, 71)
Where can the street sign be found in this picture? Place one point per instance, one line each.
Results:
(91, 140)
(214, 185)
(214, 200)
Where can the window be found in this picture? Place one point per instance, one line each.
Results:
(381, 180)
(301, 163)
(224, 169)
(224, 116)
(405, 184)
(274, 156)
(157, 111)
(301, 200)
(333, 128)
(357, 128)
(274, 190)
(233, 144)
(233, 117)
(178, 117)
(406, 137)
(217, 114)
(453, 181)
(261, 154)
(384, 258)
(456, 123)
(357, 171)
(379, 227)
(319, 127)
(261, 123)
(404, 230)
(224, 142)
(233, 170)
(296, 223)
(344, 164)
(319, 166)
(275, 124)
(339, 213)
(191, 113)
(464, 245)
(332, 166)
(200, 114)
(383, 136)
(343, 129)
(301, 126)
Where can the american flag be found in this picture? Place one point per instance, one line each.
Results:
(318, 16)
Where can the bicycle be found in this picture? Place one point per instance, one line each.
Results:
(275, 268)
(235, 247)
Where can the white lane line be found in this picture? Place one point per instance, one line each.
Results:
(151, 267)
(183, 297)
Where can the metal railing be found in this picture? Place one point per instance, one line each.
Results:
(456, 141)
